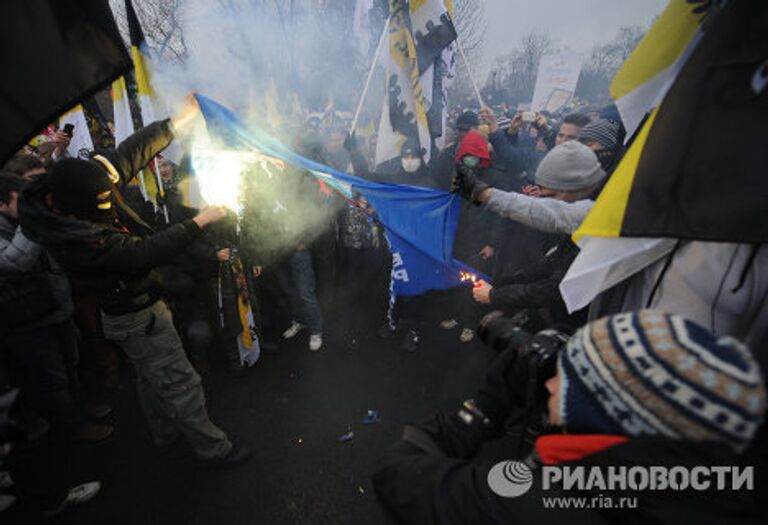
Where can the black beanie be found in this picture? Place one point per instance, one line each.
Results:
(75, 186)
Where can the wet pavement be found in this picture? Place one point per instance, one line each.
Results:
(291, 408)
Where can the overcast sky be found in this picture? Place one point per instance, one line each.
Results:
(578, 24)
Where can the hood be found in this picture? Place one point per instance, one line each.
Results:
(44, 226)
(474, 144)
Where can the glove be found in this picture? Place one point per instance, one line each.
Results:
(350, 142)
(495, 399)
(466, 182)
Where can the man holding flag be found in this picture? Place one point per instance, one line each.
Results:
(77, 212)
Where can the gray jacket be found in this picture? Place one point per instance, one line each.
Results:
(19, 256)
(17, 253)
(547, 215)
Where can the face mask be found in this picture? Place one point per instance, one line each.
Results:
(411, 165)
(606, 158)
(470, 161)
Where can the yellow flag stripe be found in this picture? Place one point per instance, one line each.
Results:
(140, 70)
(607, 215)
(119, 89)
(659, 49)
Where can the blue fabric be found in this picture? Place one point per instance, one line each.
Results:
(420, 223)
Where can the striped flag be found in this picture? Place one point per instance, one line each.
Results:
(55, 54)
(419, 33)
(695, 167)
(643, 80)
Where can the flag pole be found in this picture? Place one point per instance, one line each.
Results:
(370, 75)
(469, 72)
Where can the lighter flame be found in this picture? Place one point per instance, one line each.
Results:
(466, 276)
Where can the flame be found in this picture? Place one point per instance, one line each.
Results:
(219, 170)
(471, 277)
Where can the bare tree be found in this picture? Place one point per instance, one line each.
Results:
(513, 76)
(160, 22)
(471, 26)
(604, 61)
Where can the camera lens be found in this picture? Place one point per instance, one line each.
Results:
(501, 333)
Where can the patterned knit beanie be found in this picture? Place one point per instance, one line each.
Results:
(602, 131)
(651, 373)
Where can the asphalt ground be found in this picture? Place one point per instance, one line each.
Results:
(290, 408)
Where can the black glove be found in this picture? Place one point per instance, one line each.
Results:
(350, 142)
(466, 182)
(495, 398)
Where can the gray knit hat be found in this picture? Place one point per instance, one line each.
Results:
(571, 166)
(602, 131)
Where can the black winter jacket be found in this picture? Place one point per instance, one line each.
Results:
(116, 262)
(431, 477)
(536, 286)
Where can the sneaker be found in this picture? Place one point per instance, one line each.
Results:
(94, 432)
(97, 410)
(315, 342)
(411, 341)
(6, 481)
(448, 324)
(467, 334)
(292, 330)
(76, 496)
(237, 456)
(6, 501)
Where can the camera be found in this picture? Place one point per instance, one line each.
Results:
(536, 354)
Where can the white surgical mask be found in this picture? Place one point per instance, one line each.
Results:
(411, 165)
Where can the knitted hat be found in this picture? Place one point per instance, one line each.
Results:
(467, 120)
(81, 188)
(602, 131)
(571, 166)
(649, 373)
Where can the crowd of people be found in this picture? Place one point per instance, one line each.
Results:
(88, 268)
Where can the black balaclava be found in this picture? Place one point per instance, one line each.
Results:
(82, 188)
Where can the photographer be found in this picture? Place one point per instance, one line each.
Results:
(76, 211)
(643, 388)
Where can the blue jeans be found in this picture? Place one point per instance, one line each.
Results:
(299, 285)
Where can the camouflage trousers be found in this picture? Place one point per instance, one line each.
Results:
(170, 390)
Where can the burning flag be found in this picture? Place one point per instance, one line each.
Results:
(420, 223)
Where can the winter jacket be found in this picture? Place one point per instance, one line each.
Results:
(520, 158)
(392, 172)
(547, 215)
(18, 254)
(24, 265)
(536, 286)
(423, 479)
(116, 262)
(722, 286)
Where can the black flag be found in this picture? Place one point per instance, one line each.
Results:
(54, 54)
